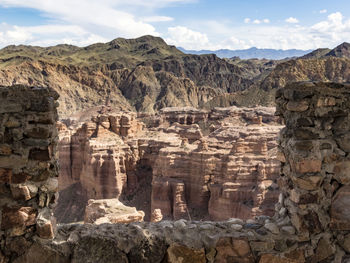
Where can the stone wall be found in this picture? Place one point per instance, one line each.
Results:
(28, 167)
(315, 177)
(311, 223)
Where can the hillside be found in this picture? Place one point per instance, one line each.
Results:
(319, 65)
(119, 53)
(146, 74)
(143, 74)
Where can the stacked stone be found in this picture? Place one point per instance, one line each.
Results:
(28, 167)
(315, 179)
(312, 222)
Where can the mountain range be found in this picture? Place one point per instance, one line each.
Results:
(145, 74)
(251, 53)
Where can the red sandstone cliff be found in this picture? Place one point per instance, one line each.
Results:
(187, 163)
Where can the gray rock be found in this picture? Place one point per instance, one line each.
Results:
(236, 227)
(288, 229)
(272, 227)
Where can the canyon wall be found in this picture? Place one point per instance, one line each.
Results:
(182, 162)
(94, 160)
(311, 223)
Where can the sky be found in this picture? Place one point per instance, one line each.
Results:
(191, 24)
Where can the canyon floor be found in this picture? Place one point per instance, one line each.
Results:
(180, 162)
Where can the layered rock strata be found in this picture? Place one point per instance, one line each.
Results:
(188, 163)
(310, 223)
(222, 175)
(95, 156)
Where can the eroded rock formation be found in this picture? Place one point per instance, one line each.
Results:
(311, 223)
(183, 162)
(111, 211)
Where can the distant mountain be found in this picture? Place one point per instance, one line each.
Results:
(341, 51)
(329, 65)
(318, 53)
(251, 53)
(320, 65)
(145, 74)
(142, 74)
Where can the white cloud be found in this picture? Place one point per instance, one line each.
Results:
(82, 22)
(263, 21)
(292, 20)
(15, 34)
(105, 19)
(330, 32)
(323, 11)
(151, 19)
(47, 35)
(256, 21)
(235, 42)
(334, 23)
(184, 37)
(152, 3)
(334, 29)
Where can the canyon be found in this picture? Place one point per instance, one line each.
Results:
(125, 155)
(311, 219)
(180, 163)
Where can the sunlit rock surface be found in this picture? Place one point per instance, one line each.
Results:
(183, 162)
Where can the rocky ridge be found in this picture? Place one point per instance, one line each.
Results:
(330, 65)
(143, 74)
